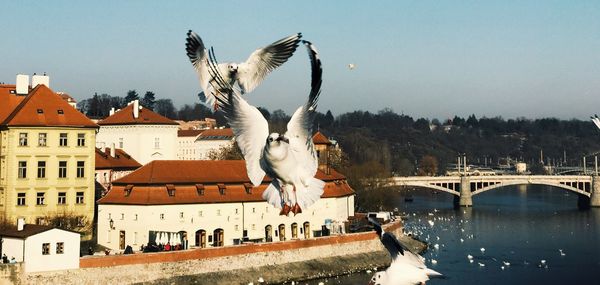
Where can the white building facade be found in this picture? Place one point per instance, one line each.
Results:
(42, 248)
(187, 148)
(209, 204)
(143, 134)
(213, 140)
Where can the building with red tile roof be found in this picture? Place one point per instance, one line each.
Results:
(46, 152)
(207, 199)
(111, 164)
(213, 140)
(142, 133)
(187, 148)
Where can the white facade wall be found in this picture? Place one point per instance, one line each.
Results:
(36, 261)
(12, 247)
(204, 147)
(233, 218)
(187, 148)
(139, 141)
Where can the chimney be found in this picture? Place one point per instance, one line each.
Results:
(136, 108)
(112, 111)
(20, 224)
(22, 84)
(112, 150)
(40, 79)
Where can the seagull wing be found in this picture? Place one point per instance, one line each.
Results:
(299, 128)
(197, 54)
(264, 60)
(248, 124)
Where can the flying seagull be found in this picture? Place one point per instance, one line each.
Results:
(406, 268)
(289, 159)
(249, 74)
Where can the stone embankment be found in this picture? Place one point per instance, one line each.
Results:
(275, 262)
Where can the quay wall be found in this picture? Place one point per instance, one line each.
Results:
(275, 262)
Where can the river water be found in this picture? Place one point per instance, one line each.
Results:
(522, 225)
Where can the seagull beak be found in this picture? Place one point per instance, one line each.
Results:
(282, 138)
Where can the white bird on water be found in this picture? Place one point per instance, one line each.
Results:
(482, 249)
(289, 159)
(406, 268)
(249, 74)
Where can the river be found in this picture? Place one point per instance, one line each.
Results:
(521, 225)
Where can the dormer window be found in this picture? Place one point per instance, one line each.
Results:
(248, 188)
(128, 190)
(221, 188)
(200, 189)
(40, 111)
(60, 111)
(171, 189)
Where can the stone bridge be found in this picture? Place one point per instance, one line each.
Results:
(465, 187)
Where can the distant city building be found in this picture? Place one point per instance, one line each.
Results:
(41, 248)
(68, 98)
(142, 133)
(46, 154)
(202, 203)
(213, 140)
(187, 148)
(207, 123)
(111, 164)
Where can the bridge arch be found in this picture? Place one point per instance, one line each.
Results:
(546, 183)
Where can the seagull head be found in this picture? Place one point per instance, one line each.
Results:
(276, 139)
(232, 68)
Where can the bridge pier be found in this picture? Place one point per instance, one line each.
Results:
(464, 199)
(595, 194)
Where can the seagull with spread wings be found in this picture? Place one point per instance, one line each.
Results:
(289, 159)
(249, 74)
(406, 268)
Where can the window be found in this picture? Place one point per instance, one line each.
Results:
(80, 221)
(20, 199)
(199, 213)
(41, 171)
(62, 141)
(135, 217)
(40, 221)
(236, 211)
(218, 212)
(80, 169)
(122, 216)
(120, 142)
(62, 169)
(22, 169)
(79, 198)
(60, 111)
(253, 226)
(40, 198)
(42, 139)
(200, 189)
(22, 139)
(253, 210)
(80, 139)
(45, 248)
(171, 190)
(62, 198)
(162, 216)
(60, 247)
(237, 228)
(156, 142)
(221, 188)
(181, 215)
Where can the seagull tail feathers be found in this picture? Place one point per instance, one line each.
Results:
(311, 194)
(273, 196)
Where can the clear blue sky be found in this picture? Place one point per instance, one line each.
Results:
(423, 58)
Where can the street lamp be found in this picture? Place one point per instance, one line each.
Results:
(111, 223)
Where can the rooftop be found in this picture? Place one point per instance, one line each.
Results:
(121, 160)
(41, 107)
(28, 230)
(189, 133)
(216, 134)
(320, 138)
(145, 117)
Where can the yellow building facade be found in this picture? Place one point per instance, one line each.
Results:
(47, 153)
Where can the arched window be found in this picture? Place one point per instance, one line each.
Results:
(268, 233)
(294, 230)
(201, 238)
(306, 227)
(218, 237)
(282, 232)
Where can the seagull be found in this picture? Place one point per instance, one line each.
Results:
(249, 74)
(406, 268)
(289, 159)
(351, 66)
(596, 120)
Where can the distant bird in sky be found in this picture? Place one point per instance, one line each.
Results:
(249, 74)
(406, 268)
(596, 121)
(290, 158)
(351, 66)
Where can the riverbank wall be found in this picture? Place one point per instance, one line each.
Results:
(275, 262)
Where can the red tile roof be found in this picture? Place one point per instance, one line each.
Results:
(43, 107)
(8, 100)
(146, 117)
(319, 138)
(66, 97)
(121, 161)
(189, 133)
(148, 185)
(220, 134)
